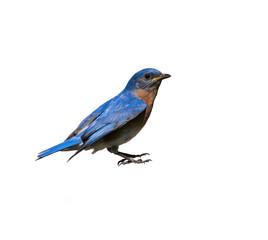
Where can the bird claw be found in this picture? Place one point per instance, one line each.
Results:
(127, 161)
(136, 155)
(143, 154)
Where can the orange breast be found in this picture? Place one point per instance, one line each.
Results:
(148, 96)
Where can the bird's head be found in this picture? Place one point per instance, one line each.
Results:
(146, 78)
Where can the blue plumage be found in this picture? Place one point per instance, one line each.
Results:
(66, 144)
(116, 121)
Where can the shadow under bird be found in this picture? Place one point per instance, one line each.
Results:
(116, 121)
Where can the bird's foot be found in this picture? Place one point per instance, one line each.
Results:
(127, 161)
(135, 155)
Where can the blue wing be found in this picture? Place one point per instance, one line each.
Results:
(89, 119)
(74, 139)
(123, 108)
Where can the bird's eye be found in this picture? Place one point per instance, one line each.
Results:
(147, 75)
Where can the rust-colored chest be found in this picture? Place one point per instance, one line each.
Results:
(148, 96)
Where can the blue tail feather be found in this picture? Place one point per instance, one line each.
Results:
(69, 143)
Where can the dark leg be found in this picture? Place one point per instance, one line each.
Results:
(128, 158)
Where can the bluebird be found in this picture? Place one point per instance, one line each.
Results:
(116, 121)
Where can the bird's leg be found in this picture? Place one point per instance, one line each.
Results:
(128, 158)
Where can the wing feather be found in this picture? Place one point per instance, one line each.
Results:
(89, 119)
(123, 109)
(119, 113)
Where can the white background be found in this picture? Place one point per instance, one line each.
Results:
(207, 134)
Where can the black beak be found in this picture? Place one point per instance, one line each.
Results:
(161, 77)
(165, 75)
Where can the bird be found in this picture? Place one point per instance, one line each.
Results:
(116, 121)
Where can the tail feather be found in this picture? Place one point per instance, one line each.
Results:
(69, 143)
